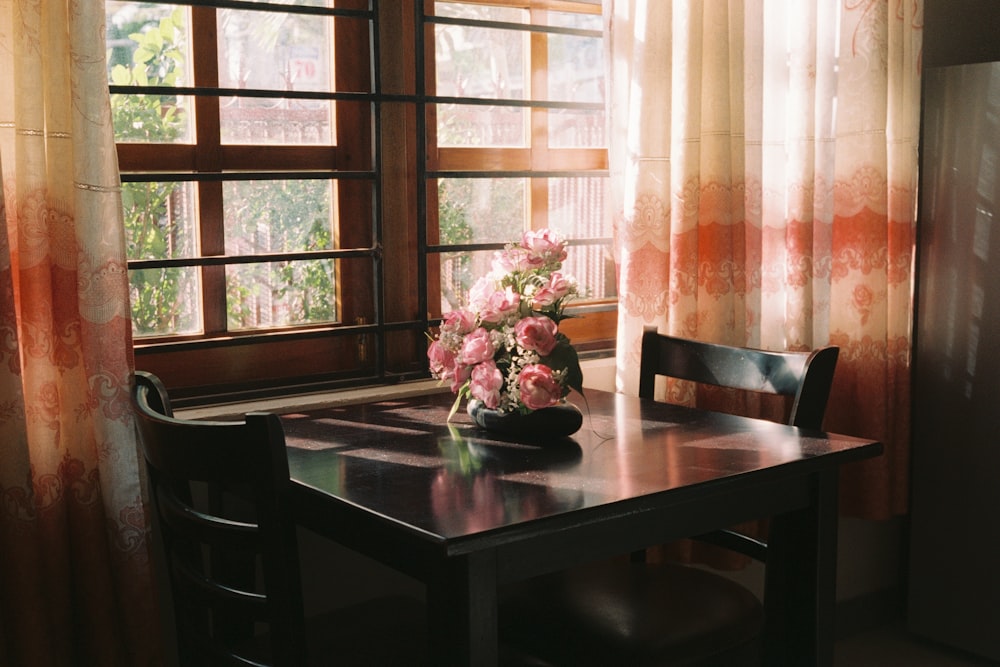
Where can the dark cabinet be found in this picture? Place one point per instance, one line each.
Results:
(954, 573)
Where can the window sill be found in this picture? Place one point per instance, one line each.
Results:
(598, 373)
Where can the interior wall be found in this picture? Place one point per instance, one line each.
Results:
(957, 32)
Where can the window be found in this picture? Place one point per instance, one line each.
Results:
(308, 185)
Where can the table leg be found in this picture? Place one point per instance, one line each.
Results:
(801, 580)
(462, 605)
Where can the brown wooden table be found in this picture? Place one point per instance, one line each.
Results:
(466, 512)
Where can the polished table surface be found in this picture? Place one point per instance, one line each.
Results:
(466, 511)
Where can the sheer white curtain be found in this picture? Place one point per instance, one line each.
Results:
(75, 583)
(764, 173)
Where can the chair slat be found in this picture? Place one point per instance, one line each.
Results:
(230, 577)
(204, 528)
(214, 594)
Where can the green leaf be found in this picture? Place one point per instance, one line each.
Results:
(564, 356)
(154, 37)
(459, 395)
(120, 76)
(140, 76)
(142, 55)
(175, 55)
(166, 29)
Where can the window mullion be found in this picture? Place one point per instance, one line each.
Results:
(538, 210)
(206, 75)
(209, 159)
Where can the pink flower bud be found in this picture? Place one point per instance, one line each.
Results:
(442, 360)
(513, 259)
(459, 374)
(486, 383)
(458, 322)
(544, 245)
(557, 287)
(480, 293)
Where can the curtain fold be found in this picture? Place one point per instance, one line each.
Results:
(75, 579)
(763, 160)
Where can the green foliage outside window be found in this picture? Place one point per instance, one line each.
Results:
(262, 216)
(152, 231)
(279, 216)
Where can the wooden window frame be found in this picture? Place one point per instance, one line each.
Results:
(382, 280)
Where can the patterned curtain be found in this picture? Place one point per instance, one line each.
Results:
(75, 582)
(764, 175)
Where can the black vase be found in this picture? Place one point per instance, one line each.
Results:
(560, 420)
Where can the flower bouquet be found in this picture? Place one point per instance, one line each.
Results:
(505, 349)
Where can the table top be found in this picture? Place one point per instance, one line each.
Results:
(401, 460)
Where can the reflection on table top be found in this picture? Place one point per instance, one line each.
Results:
(403, 460)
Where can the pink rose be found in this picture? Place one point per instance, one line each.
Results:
(476, 348)
(536, 333)
(441, 359)
(480, 293)
(556, 288)
(458, 322)
(544, 245)
(512, 259)
(459, 374)
(486, 383)
(538, 388)
(500, 305)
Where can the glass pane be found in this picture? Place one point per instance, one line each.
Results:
(304, 3)
(275, 51)
(481, 12)
(576, 207)
(576, 211)
(576, 69)
(160, 220)
(256, 120)
(277, 216)
(593, 267)
(576, 129)
(481, 210)
(148, 46)
(592, 21)
(160, 224)
(277, 294)
(482, 126)
(473, 61)
(154, 119)
(459, 272)
(282, 52)
(165, 301)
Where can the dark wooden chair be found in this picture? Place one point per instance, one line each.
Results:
(639, 613)
(219, 494)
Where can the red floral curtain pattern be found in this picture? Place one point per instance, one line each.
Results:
(75, 581)
(763, 177)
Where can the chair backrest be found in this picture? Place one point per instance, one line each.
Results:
(219, 493)
(806, 376)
